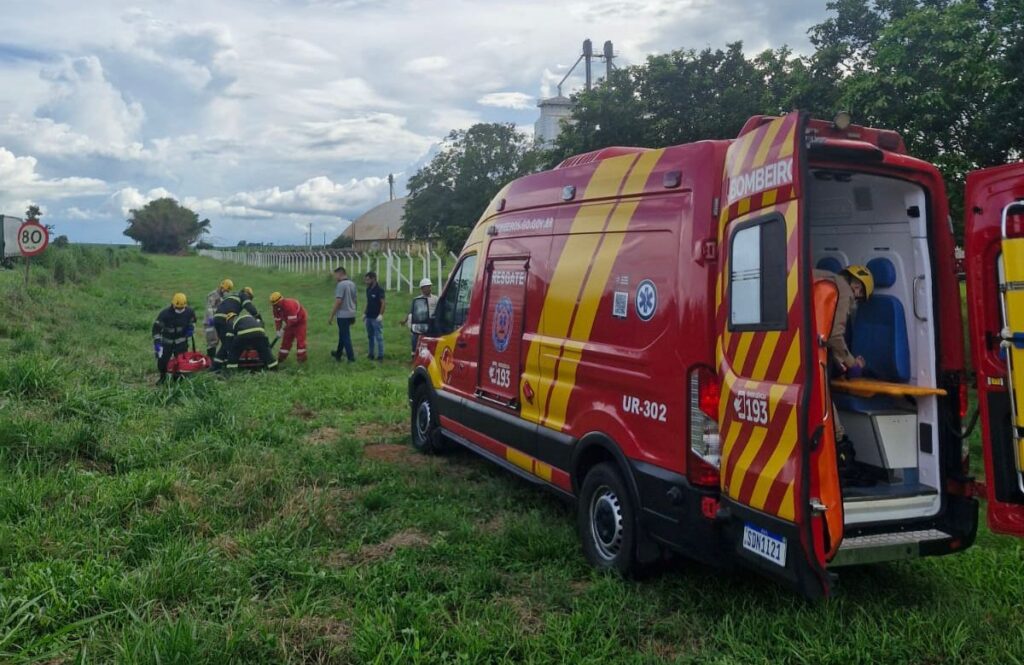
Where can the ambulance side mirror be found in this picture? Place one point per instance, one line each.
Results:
(420, 315)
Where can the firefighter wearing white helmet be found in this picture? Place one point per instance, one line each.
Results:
(173, 327)
(213, 301)
(425, 292)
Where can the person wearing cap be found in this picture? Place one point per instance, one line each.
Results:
(213, 301)
(173, 327)
(425, 292)
(289, 321)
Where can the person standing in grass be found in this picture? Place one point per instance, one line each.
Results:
(173, 327)
(344, 313)
(213, 301)
(425, 292)
(373, 315)
(289, 321)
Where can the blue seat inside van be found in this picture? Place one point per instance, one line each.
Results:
(879, 333)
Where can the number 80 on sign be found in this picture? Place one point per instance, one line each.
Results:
(32, 238)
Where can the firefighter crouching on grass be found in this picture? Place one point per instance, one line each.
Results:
(172, 329)
(231, 305)
(247, 333)
(213, 301)
(290, 315)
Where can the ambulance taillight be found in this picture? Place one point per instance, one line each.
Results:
(705, 450)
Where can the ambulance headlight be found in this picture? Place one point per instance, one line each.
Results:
(842, 120)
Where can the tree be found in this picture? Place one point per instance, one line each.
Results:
(341, 242)
(690, 95)
(33, 213)
(165, 227)
(945, 74)
(447, 196)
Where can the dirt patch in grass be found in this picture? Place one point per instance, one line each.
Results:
(227, 545)
(393, 453)
(407, 539)
(528, 615)
(496, 524)
(325, 505)
(372, 433)
(315, 639)
(301, 411)
(322, 436)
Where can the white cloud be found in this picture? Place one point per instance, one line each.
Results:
(316, 196)
(375, 137)
(508, 100)
(127, 199)
(20, 182)
(427, 65)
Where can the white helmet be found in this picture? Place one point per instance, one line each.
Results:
(425, 282)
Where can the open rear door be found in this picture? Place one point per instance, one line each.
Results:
(781, 496)
(994, 207)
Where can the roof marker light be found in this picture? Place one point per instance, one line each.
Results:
(842, 120)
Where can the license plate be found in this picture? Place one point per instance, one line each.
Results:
(765, 544)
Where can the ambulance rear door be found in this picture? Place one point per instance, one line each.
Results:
(994, 230)
(779, 481)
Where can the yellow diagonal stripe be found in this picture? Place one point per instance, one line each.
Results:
(560, 299)
(783, 450)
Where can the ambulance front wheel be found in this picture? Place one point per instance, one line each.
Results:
(426, 431)
(606, 521)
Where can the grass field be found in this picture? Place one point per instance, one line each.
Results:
(284, 518)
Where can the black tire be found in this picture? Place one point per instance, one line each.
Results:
(606, 521)
(426, 430)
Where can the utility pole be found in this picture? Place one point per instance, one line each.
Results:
(588, 54)
(309, 245)
(391, 187)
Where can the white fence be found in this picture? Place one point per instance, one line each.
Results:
(395, 270)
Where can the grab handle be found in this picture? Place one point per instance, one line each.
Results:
(917, 282)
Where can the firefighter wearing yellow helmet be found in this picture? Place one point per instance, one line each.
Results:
(233, 304)
(173, 327)
(854, 283)
(213, 301)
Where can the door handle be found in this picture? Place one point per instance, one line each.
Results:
(918, 282)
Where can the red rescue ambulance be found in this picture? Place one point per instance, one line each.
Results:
(641, 330)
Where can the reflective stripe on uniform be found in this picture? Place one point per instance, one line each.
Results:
(284, 352)
(251, 331)
(273, 364)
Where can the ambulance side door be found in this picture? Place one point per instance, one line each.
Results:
(994, 230)
(782, 504)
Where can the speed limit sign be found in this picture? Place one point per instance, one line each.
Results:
(32, 238)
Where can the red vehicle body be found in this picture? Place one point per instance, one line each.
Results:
(642, 330)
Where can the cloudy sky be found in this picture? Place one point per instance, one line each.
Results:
(266, 115)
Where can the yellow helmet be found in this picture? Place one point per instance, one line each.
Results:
(864, 276)
(178, 300)
(275, 297)
(227, 285)
(247, 290)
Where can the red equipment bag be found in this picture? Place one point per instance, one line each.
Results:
(188, 362)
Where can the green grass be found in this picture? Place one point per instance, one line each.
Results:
(283, 518)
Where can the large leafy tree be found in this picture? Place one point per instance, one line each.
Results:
(946, 74)
(166, 227)
(690, 95)
(447, 195)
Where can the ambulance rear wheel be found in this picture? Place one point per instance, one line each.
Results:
(606, 521)
(426, 430)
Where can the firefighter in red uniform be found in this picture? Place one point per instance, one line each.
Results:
(291, 315)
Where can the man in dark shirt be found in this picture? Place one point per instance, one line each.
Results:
(373, 316)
